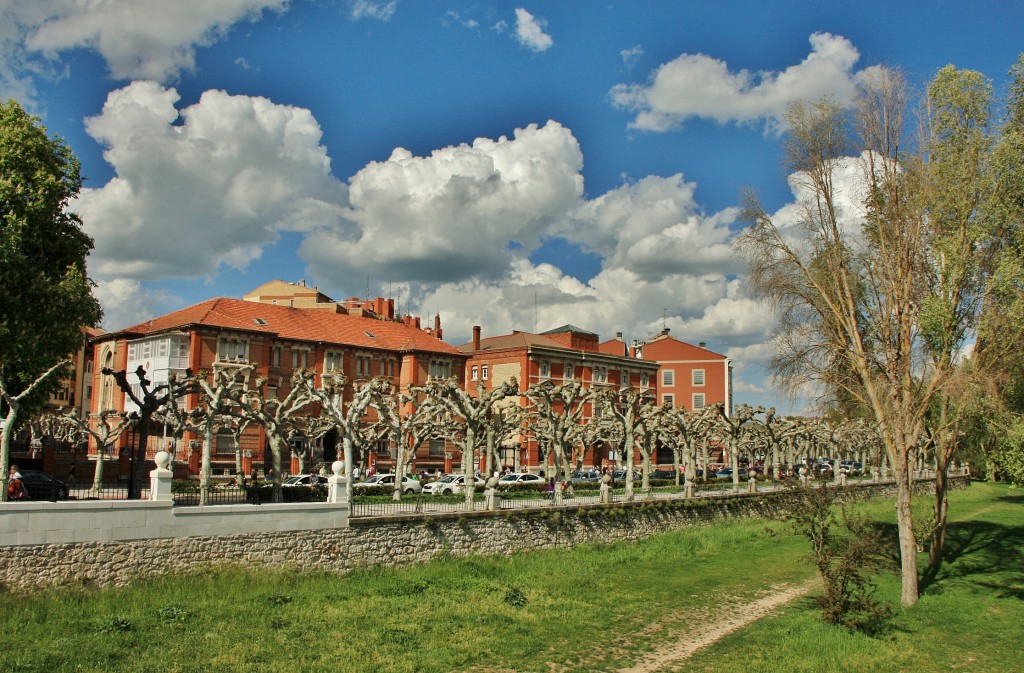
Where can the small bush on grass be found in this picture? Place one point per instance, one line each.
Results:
(846, 564)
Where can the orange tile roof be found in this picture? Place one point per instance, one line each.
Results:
(295, 324)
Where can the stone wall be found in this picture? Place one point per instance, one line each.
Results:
(391, 541)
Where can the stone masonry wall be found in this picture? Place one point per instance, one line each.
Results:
(389, 542)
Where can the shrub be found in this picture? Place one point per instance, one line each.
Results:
(845, 563)
(515, 597)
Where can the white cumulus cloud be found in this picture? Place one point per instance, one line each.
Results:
(530, 31)
(138, 39)
(369, 9)
(207, 185)
(455, 214)
(697, 85)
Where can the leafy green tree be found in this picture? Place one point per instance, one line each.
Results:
(45, 296)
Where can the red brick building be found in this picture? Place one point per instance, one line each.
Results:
(559, 355)
(691, 377)
(362, 340)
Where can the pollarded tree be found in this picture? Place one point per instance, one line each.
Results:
(278, 417)
(45, 296)
(556, 421)
(636, 418)
(149, 399)
(407, 420)
(469, 420)
(348, 418)
(219, 406)
(105, 428)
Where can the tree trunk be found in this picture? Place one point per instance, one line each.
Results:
(206, 466)
(137, 475)
(5, 449)
(940, 510)
(908, 544)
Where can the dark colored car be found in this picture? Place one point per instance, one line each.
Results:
(663, 474)
(42, 486)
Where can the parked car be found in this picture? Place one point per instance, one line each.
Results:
(42, 486)
(314, 480)
(520, 478)
(726, 473)
(620, 475)
(663, 474)
(452, 483)
(851, 467)
(586, 477)
(409, 485)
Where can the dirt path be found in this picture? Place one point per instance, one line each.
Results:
(698, 635)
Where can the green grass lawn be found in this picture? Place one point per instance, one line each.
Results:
(597, 608)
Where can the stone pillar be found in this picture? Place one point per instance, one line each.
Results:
(160, 478)
(874, 474)
(842, 479)
(492, 501)
(337, 493)
(752, 485)
(803, 475)
(606, 489)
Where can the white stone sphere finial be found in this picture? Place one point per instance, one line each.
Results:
(338, 467)
(162, 459)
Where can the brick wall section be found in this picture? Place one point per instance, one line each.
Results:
(390, 542)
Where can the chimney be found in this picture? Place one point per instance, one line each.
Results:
(664, 332)
(618, 335)
(702, 344)
(437, 325)
(632, 352)
(476, 337)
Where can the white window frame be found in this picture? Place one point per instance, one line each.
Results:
(230, 350)
(698, 397)
(300, 357)
(440, 369)
(570, 371)
(668, 377)
(697, 377)
(485, 372)
(600, 374)
(645, 380)
(545, 369)
(474, 373)
(334, 362)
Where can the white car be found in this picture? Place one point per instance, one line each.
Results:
(314, 480)
(409, 485)
(452, 483)
(520, 478)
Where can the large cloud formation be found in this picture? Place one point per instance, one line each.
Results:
(697, 85)
(212, 184)
(138, 39)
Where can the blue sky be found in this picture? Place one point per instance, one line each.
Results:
(513, 165)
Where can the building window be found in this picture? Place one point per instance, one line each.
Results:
(333, 361)
(668, 377)
(600, 375)
(387, 367)
(474, 374)
(644, 380)
(698, 401)
(668, 399)
(228, 350)
(698, 377)
(225, 441)
(271, 392)
(300, 357)
(363, 366)
(440, 369)
(275, 356)
(484, 371)
(569, 372)
(545, 369)
(436, 448)
(624, 378)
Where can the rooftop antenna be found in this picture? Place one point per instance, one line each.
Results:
(664, 315)
(367, 295)
(534, 311)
